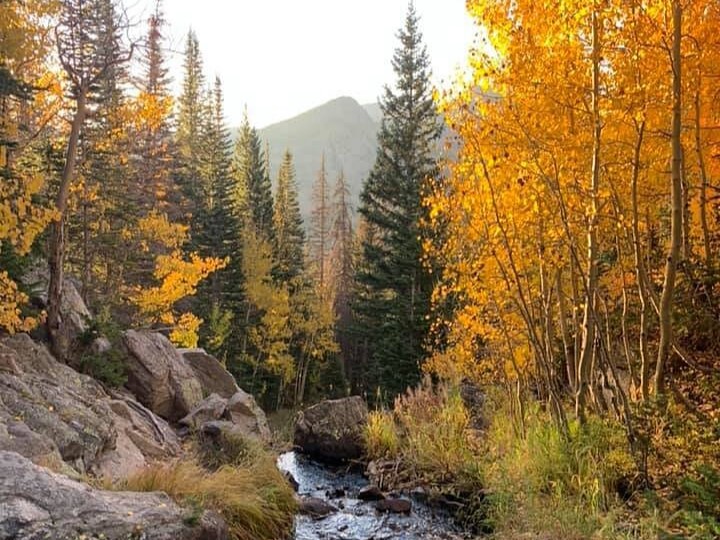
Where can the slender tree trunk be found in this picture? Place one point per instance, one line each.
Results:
(703, 181)
(666, 300)
(589, 324)
(58, 337)
(640, 274)
(565, 333)
(685, 187)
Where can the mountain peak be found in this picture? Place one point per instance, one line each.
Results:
(341, 130)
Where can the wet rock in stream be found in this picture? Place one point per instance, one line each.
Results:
(356, 519)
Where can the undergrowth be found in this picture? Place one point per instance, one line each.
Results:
(530, 478)
(239, 480)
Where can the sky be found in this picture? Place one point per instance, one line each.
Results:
(283, 57)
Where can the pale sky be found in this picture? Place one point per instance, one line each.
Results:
(282, 57)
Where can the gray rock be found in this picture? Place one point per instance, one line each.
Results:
(50, 413)
(159, 376)
(73, 311)
(213, 377)
(209, 409)
(66, 409)
(370, 493)
(142, 438)
(35, 504)
(315, 507)
(394, 506)
(247, 415)
(332, 429)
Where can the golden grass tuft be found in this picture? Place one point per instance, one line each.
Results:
(254, 499)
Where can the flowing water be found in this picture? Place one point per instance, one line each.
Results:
(355, 519)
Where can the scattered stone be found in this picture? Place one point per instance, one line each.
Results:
(370, 493)
(209, 409)
(419, 494)
(315, 507)
(394, 506)
(333, 429)
(291, 480)
(336, 493)
(35, 503)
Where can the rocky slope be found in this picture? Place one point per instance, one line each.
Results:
(54, 419)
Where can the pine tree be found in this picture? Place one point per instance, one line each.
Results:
(320, 221)
(395, 306)
(342, 270)
(192, 108)
(288, 225)
(153, 139)
(252, 192)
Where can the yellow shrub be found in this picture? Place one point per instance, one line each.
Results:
(381, 436)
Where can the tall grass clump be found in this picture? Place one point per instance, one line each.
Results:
(428, 437)
(544, 481)
(381, 436)
(252, 496)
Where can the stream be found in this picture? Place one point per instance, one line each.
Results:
(356, 519)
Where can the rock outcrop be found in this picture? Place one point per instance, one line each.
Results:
(211, 374)
(74, 313)
(159, 376)
(332, 429)
(35, 503)
(48, 409)
(52, 414)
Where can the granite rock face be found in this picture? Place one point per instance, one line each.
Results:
(35, 504)
(159, 376)
(332, 429)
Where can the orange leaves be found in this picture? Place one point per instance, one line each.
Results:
(150, 112)
(178, 278)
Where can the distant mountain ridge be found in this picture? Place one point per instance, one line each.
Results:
(341, 129)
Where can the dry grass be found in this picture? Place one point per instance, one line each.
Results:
(254, 499)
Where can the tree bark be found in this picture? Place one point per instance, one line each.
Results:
(58, 336)
(671, 264)
(589, 324)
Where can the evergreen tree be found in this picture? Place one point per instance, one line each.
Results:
(288, 225)
(394, 307)
(153, 139)
(342, 270)
(252, 192)
(320, 221)
(192, 109)
(102, 209)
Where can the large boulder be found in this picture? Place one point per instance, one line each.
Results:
(332, 429)
(239, 416)
(46, 406)
(52, 414)
(213, 377)
(159, 376)
(142, 438)
(35, 503)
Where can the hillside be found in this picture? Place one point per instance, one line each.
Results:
(342, 129)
